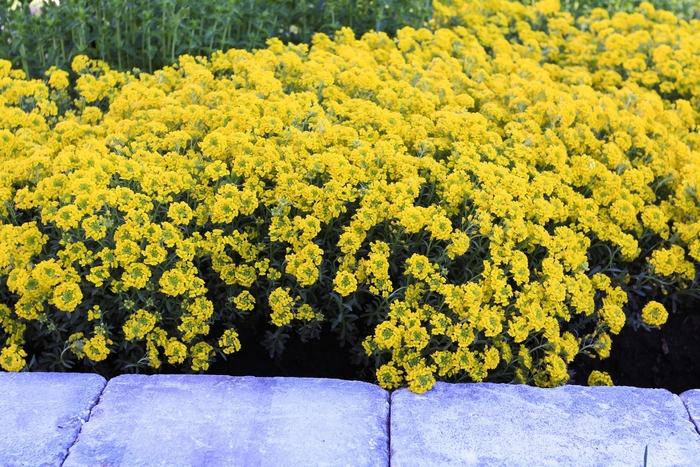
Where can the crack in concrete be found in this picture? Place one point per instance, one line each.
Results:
(80, 430)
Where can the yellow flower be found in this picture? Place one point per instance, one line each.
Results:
(419, 266)
(136, 275)
(173, 282)
(244, 301)
(225, 210)
(229, 342)
(68, 217)
(12, 358)
(96, 348)
(201, 308)
(138, 325)
(440, 228)
(80, 63)
(654, 314)
(77, 342)
(248, 202)
(624, 213)
(200, 353)
(413, 219)
(176, 351)
(552, 373)
(48, 273)
(416, 337)
(548, 7)
(281, 304)
(154, 254)
(388, 376)
(191, 327)
(98, 275)
(345, 283)
(58, 79)
(245, 275)
(387, 335)
(599, 378)
(613, 316)
(127, 252)
(603, 345)
(94, 314)
(153, 354)
(668, 262)
(490, 320)
(95, 227)
(67, 296)
(180, 213)
(306, 313)
(462, 334)
(420, 379)
(445, 363)
(568, 347)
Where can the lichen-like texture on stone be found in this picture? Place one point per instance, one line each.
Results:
(516, 425)
(41, 415)
(691, 399)
(210, 420)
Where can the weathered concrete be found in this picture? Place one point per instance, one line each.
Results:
(209, 420)
(41, 415)
(691, 399)
(491, 424)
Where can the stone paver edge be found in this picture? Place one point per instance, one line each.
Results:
(685, 398)
(688, 397)
(94, 404)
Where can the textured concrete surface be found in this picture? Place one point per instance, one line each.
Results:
(515, 425)
(208, 420)
(691, 399)
(61, 419)
(41, 415)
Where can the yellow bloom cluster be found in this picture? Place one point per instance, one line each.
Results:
(599, 378)
(654, 314)
(468, 178)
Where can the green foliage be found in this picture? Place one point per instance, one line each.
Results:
(149, 34)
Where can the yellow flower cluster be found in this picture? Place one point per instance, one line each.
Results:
(654, 314)
(599, 378)
(468, 178)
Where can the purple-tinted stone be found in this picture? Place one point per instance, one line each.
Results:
(41, 415)
(515, 425)
(209, 420)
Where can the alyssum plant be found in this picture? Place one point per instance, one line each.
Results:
(476, 202)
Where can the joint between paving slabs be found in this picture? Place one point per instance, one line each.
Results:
(80, 430)
(388, 431)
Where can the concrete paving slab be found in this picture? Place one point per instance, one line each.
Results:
(41, 415)
(210, 420)
(515, 425)
(691, 399)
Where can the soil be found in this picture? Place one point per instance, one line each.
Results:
(667, 358)
(317, 358)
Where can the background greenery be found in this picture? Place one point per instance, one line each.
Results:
(150, 34)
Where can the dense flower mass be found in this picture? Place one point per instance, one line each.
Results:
(472, 202)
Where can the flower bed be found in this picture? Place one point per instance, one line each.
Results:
(472, 203)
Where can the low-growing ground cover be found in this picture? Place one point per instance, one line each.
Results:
(486, 200)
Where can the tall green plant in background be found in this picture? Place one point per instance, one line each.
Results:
(150, 34)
